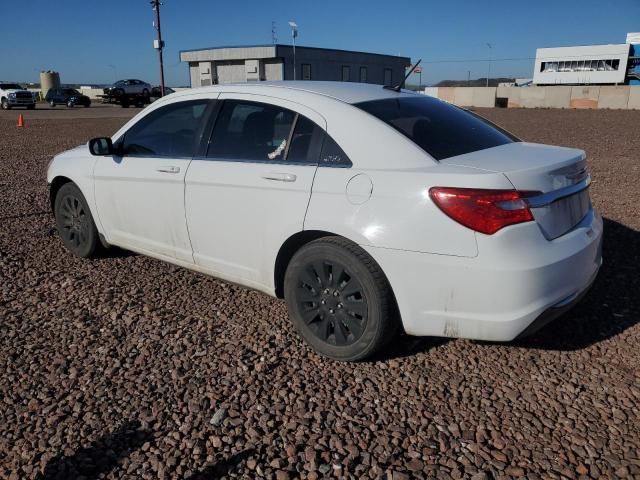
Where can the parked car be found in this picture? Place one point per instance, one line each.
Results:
(128, 87)
(156, 93)
(13, 95)
(66, 96)
(368, 210)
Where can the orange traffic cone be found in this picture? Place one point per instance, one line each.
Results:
(21, 121)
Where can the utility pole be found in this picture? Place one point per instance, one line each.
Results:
(274, 36)
(489, 72)
(158, 44)
(294, 34)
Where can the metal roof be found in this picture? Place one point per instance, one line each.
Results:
(283, 45)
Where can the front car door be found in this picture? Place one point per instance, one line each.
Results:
(140, 195)
(250, 188)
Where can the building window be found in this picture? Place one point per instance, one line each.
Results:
(581, 66)
(388, 77)
(363, 74)
(346, 73)
(306, 71)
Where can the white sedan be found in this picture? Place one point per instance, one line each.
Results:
(368, 210)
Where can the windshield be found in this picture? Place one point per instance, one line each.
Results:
(440, 129)
(10, 86)
(71, 91)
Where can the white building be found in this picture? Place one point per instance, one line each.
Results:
(593, 64)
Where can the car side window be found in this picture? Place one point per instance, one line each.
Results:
(251, 131)
(332, 155)
(306, 141)
(166, 132)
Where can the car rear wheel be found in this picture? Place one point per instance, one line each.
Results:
(74, 222)
(52, 104)
(339, 299)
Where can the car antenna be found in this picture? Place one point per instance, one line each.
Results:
(398, 87)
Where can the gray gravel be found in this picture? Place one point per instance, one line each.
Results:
(125, 367)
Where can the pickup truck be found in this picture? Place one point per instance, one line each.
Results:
(13, 95)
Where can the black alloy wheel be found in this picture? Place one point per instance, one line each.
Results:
(332, 302)
(339, 299)
(74, 221)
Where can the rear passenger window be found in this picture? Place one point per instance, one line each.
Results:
(332, 155)
(167, 132)
(306, 142)
(251, 131)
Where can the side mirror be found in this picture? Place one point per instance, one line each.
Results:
(101, 146)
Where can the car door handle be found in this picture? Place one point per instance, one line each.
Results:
(168, 169)
(280, 177)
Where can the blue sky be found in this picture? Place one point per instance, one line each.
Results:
(89, 41)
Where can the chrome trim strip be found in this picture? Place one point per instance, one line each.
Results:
(550, 197)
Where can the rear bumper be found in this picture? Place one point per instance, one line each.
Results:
(518, 278)
(550, 314)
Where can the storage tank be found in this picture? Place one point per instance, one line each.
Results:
(49, 79)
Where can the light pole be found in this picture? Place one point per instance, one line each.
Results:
(158, 44)
(294, 34)
(489, 72)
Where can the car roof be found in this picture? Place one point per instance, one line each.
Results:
(348, 92)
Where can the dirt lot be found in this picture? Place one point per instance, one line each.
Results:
(125, 367)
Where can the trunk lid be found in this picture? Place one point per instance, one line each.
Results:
(559, 173)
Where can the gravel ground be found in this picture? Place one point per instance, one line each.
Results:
(125, 367)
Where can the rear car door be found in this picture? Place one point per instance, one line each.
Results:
(250, 188)
(140, 194)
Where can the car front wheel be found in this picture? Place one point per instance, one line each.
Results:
(5, 104)
(74, 222)
(340, 300)
(52, 104)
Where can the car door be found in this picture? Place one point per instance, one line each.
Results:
(140, 194)
(249, 190)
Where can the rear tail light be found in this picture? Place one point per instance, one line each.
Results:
(485, 211)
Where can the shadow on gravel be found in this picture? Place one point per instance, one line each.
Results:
(97, 459)
(610, 307)
(222, 468)
(408, 346)
(116, 252)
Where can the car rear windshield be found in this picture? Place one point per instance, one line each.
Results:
(440, 129)
(10, 86)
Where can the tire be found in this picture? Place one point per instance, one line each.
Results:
(31, 107)
(52, 104)
(348, 315)
(5, 104)
(118, 92)
(145, 93)
(69, 104)
(74, 222)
